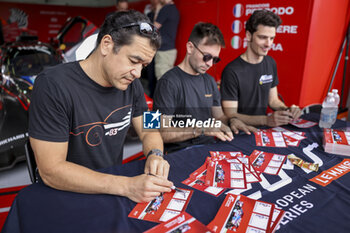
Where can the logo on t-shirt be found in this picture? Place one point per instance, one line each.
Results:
(151, 120)
(113, 128)
(265, 79)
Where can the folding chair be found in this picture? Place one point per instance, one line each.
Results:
(31, 164)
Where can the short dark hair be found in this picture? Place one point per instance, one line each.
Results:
(118, 1)
(207, 30)
(113, 26)
(263, 17)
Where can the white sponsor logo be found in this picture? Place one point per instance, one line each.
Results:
(250, 8)
(282, 10)
(229, 201)
(274, 47)
(113, 128)
(289, 29)
(13, 138)
(265, 79)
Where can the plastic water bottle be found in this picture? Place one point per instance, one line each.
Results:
(329, 111)
(336, 96)
(337, 100)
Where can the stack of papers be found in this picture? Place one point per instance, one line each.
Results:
(242, 214)
(336, 141)
(230, 170)
(223, 170)
(233, 170)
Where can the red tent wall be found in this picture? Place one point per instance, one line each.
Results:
(306, 47)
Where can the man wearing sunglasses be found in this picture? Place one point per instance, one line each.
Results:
(81, 111)
(187, 94)
(249, 83)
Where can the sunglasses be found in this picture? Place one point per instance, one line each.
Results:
(145, 28)
(207, 57)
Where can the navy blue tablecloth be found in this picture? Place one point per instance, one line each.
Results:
(309, 207)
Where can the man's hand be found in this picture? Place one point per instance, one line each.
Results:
(144, 188)
(158, 166)
(223, 133)
(296, 112)
(237, 125)
(280, 117)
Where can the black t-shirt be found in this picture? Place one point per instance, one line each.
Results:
(169, 18)
(68, 106)
(249, 84)
(187, 96)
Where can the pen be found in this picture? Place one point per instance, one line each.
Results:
(288, 109)
(172, 187)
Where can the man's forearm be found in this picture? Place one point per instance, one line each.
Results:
(152, 140)
(277, 105)
(256, 120)
(180, 134)
(76, 178)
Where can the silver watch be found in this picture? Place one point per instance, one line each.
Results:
(156, 152)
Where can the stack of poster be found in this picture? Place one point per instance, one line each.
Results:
(278, 137)
(230, 170)
(184, 222)
(162, 208)
(336, 141)
(242, 214)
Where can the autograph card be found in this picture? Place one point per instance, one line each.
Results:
(201, 171)
(199, 184)
(220, 155)
(163, 207)
(184, 222)
(265, 162)
(251, 174)
(242, 214)
(270, 139)
(226, 174)
(276, 218)
(301, 123)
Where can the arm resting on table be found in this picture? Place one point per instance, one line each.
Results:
(60, 174)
